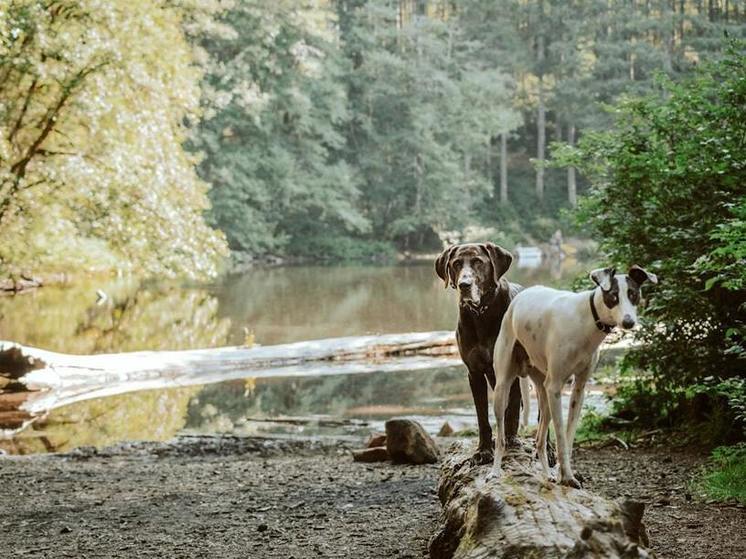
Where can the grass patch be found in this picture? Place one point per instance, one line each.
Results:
(725, 480)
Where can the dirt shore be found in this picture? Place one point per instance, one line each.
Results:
(215, 497)
(236, 497)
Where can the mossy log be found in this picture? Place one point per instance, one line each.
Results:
(522, 515)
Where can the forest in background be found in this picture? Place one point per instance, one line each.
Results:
(148, 137)
(346, 126)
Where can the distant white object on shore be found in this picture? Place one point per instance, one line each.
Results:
(528, 257)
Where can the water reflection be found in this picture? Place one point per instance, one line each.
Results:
(299, 303)
(277, 305)
(155, 415)
(134, 316)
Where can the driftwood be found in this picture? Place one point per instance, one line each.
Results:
(521, 515)
(33, 381)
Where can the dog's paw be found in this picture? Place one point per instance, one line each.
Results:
(570, 482)
(481, 457)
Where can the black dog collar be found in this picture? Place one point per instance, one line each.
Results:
(605, 328)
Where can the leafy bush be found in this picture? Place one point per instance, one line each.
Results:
(668, 193)
(717, 407)
(726, 480)
(591, 427)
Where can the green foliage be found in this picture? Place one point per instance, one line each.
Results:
(716, 407)
(92, 120)
(378, 120)
(275, 107)
(382, 119)
(668, 193)
(591, 427)
(725, 480)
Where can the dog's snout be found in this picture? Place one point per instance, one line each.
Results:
(465, 282)
(628, 322)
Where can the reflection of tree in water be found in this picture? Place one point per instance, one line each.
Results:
(311, 302)
(150, 415)
(135, 316)
(335, 395)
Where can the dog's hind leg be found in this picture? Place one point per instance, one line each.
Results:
(542, 430)
(525, 401)
(505, 375)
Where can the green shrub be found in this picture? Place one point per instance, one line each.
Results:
(716, 406)
(668, 193)
(726, 479)
(591, 427)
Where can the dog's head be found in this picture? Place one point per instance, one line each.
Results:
(621, 293)
(473, 269)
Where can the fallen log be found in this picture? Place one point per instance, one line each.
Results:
(49, 380)
(521, 515)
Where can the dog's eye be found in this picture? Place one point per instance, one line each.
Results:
(478, 264)
(457, 264)
(633, 296)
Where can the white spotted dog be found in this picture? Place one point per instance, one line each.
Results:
(552, 335)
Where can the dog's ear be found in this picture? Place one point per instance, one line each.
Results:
(501, 259)
(640, 275)
(602, 277)
(442, 262)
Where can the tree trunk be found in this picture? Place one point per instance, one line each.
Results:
(541, 123)
(572, 190)
(504, 168)
(521, 515)
(540, 142)
(490, 173)
(418, 184)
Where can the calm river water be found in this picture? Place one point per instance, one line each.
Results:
(270, 305)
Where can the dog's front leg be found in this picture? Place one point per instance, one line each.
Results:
(553, 385)
(576, 404)
(478, 385)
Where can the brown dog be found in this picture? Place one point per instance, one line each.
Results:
(476, 271)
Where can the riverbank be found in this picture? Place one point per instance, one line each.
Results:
(272, 498)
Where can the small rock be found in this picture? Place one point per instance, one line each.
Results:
(446, 430)
(262, 527)
(65, 530)
(375, 454)
(376, 439)
(408, 442)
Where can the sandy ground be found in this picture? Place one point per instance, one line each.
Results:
(236, 497)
